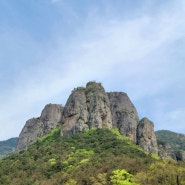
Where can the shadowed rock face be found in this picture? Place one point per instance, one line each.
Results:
(38, 127)
(124, 114)
(146, 137)
(86, 108)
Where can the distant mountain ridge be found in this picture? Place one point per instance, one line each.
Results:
(7, 146)
(171, 142)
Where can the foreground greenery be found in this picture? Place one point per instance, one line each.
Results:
(96, 157)
(7, 146)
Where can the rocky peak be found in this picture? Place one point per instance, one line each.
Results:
(91, 107)
(146, 137)
(124, 114)
(86, 108)
(51, 115)
(38, 127)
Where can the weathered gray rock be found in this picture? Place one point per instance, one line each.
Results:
(146, 136)
(51, 116)
(98, 106)
(91, 107)
(38, 127)
(165, 152)
(124, 114)
(86, 108)
(75, 115)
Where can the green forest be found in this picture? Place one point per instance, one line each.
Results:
(96, 157)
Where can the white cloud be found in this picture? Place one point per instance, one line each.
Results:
(134, 51)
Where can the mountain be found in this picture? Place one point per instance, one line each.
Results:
(91, 107)
(7, 146)
(97, 138)
(97, 156)
(172, 143)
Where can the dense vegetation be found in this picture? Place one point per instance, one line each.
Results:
(7, 146)
(174, 140)
(96, 157)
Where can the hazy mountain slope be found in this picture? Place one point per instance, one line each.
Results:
(7, 146)
(175, 140)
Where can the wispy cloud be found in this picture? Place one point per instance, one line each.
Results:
(134, 54)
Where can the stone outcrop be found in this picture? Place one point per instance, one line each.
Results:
(165, 152)
(146, 137)
(86, 108)
(91, 107)
(38, 127)
(124, 114)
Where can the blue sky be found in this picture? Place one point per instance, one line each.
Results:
(48, 47)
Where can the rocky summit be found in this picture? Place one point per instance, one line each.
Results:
(91, 107)
(86, 108)
(38, 127)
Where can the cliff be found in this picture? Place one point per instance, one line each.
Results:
(86, 108)
(38, 127)
(91, 107)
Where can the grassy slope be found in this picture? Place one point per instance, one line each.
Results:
(86, 158)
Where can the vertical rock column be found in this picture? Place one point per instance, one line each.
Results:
(86, 108)
(124, 114)
(98, 105)
(75, 115)
(146, 137)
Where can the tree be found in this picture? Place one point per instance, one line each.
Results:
(122, 177)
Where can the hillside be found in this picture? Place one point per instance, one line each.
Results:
(7, 146)
(98, 156)
(171, 144)
(175, 140)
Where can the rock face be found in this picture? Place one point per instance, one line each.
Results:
(146, 137)
(86, 108)
(165, 152)
(91, 107)
(124, 114)
(38, 127)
